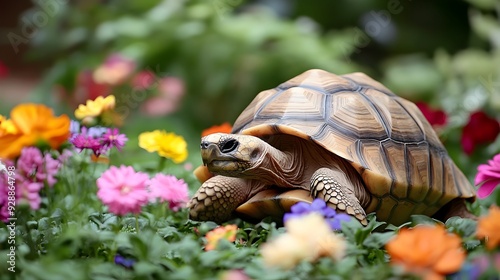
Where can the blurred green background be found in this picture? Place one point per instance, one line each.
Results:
(218, 54)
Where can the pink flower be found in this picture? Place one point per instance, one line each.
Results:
(143, 80)
(167, 188)
(123, 190)
(4, 71)
(170, 93)
(488, 177)
(35, 167)
(115, 70)
(28, 192)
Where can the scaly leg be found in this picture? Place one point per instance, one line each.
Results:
(325, 185)
(218, 197)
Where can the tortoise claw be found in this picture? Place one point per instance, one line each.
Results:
(338, 197)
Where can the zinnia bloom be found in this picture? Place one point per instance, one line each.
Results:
(167, 188)
(123, 190)
(481, 129)
(488, 228)
(308, 238)
(168, 145)
(427, 251)
(435, 117)
(227, 232)
(223, 128)
(94, 108)
(488, 177)
(29, 124)
(319, 206)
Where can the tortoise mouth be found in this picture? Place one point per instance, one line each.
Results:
(222, 166)
(273, 202)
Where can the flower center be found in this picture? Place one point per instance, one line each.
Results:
(125, 189)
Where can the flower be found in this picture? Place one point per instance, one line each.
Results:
(83, 141)
(488, 228)
(234, 274)
(427, 251)
(98, 139)
(95, 108)
(123, 190)
(319, 206)
(169, 95)
(223, 128)
(4, 71)
(125, 262)
(488, 177)
(113, 138)
(30, 124)
(36, 167)
(227, 232)
(308, 238)
(143, 80)
(115, 70)
(481, 129)
(168, 145)
(167, 188)
(479, 268)
(435, 117)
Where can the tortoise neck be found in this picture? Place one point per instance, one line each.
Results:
(280, 168)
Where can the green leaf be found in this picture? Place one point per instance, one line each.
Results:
(462, 226)
(422, 220)
(377, 240)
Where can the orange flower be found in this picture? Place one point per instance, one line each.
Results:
(488, 227)
(428, 251)
(29, 124)
(223, 128)
(227, 232)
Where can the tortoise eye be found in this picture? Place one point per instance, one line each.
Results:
(229, 146)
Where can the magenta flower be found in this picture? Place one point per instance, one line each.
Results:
(28, 192)
(167, 188)
(82, 142)
(113, 138)
(488, 177)
(123, 190)
(33, 166)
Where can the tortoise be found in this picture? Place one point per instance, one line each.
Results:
(346, 139)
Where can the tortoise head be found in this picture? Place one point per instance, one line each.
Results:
(232, 154)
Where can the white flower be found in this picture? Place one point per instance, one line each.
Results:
(308, 238)
(3, 167)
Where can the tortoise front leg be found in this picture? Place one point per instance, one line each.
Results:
(325, 185)
(217, 198)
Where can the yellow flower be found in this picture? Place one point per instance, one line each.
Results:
(28, 124)
(7, 126)
(227, 232)
(488, 227)
(308, 238)
(168, 145)
(96, 107)
(427, 251)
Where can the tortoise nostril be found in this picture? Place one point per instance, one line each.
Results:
(204, 145)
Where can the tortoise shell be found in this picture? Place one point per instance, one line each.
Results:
(386, 138)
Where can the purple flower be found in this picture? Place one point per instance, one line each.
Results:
(125, 262)
(36, 167)
(113, 138)
(74, 127)
(488, 177)
(318, 206)
(95, 131)
(82, 142)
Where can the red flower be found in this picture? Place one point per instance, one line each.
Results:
(4, 71)
(481, 129)
(435, 117)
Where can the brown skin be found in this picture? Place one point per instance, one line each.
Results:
(247, 165)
